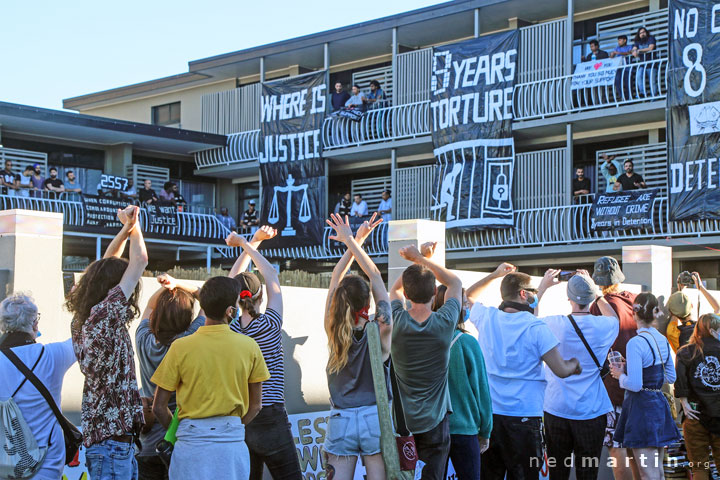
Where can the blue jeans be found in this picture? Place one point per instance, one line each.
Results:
(111, 460)
(465, 456)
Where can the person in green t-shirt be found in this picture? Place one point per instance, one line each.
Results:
(420, 353)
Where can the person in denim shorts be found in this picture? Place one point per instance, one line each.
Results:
(353, 426)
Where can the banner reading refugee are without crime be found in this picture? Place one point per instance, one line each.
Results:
(292, 170)
(693, 113)
(471, 119)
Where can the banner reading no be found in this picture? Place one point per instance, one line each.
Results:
(471, 116)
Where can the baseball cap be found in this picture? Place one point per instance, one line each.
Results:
(35, 166)
(607, 272)
(679, 305)
(250, 282)
(251, 202)
(581, 290)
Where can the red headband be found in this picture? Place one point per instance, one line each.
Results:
(362, 313)
(246, 294)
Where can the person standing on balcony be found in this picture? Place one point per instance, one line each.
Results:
(344, 206)
(38, 181)
(595, 52)
(576, 408)
(515, 344)
(644, 50)
(581, 184)
(644, 44)
(103, 305)
(26, 184)
(357, 101)
(250, 217)
(53, 184)
(608, 276)
(166, 194)
(622, 49)
(359, 208)
(422, 378)
(385, 207)
(130, 194)
(376, 97)
(227, 221)
(147, 194)
(631, 180)
(609, 170)
(339, 97)
(71, 185)
(10, 180)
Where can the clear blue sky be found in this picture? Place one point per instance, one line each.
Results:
(50, 49)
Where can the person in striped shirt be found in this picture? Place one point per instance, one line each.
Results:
(268, 436)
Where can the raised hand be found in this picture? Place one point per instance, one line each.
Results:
(411, 253)
(167, 281)
(129, 216)
(583, 273)
(263, 233)
(427, 249)
(343, 233)
(503, 269)
(698, 281)
(235, 240)
(549, 279)
(367, 227)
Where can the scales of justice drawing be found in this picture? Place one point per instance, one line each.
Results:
(303, 214)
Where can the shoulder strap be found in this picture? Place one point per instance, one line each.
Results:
(662, 362)
(400, 425)
(37, 383)
(582, 338)
(33, 368)
(456, 338)
(652, 350)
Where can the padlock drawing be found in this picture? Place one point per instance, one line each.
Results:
(501, 191)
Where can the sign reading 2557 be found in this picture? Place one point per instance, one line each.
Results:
(111, 182)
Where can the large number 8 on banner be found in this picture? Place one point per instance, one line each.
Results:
(694, 65)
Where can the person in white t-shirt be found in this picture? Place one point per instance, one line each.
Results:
(515, 344)
(19, 318)
(359, 207)
(26, 182)
(385, 207)
(576, 408)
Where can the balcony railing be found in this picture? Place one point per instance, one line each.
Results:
(634, 83)
(241, 147)
(378, 125)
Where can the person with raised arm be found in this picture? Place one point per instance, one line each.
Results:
(103, 304)
(217, 377)
(515, 344)
(576, 407)
(353, 426)
(421, 343)
(268, 436)
(167, 317)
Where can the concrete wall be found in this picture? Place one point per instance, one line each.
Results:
(140, 110)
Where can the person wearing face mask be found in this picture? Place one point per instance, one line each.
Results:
(217, 377)
(515, 344)
(471, 421)
(576, 408)
(698, 388)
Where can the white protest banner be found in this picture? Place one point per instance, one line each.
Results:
(595, 73)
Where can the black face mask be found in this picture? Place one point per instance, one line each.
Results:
(523, 307)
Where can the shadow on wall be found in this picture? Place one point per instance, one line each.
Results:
(294, 397)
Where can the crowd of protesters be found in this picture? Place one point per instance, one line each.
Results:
(530, 383)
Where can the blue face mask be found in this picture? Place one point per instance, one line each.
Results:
(534, 302)
(38, 334)
(236, 317)
(466, 315)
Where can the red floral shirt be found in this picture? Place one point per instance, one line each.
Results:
(111, 402)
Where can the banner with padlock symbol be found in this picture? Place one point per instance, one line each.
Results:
(471, 115)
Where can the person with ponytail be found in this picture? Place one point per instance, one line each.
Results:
(646, 425)
(698, 388)
(268, 436)
(353, 425)
(167, 317)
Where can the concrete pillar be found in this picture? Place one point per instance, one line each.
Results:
(393, 181)
(262, 69)
(569, 153)
(412, 232)
(649, 266)
(477, 22)
(227, 196)
(654, 135)
(569, 33)
(654, 5)
(117, 159)
(31, 262)
(394, 64)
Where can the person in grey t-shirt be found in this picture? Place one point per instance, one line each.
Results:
(168, 316)
(354, 426)
(421, 354)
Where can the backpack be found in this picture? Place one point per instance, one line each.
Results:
(20, 455)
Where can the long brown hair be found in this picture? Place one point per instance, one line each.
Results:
(439, 301)
(702, 330)
(250, 282)
(97, 280)
(172, 315)
(350, 296)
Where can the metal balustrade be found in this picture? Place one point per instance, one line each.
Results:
(241, 147)
(634, 83)
(71, 208)
(377, 125)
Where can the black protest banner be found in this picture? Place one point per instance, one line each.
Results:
(471, 116)
(102, 211)
(693, 113)
(162, 215)
(623, 210)
(292, 170)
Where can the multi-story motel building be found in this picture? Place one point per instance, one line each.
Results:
(555, 128)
